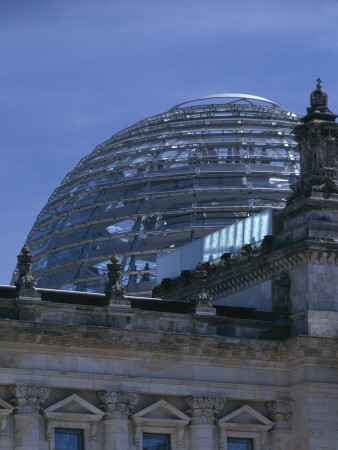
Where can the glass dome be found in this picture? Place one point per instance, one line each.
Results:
(161, 183)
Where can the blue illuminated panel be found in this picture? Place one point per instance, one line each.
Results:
(210, 248)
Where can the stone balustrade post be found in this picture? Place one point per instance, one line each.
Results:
(203, 299)
(118, 407)
(203, 412)
(28, 401)
(115, 290)
(25, 282)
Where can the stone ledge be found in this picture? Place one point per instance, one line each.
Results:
(70, 339)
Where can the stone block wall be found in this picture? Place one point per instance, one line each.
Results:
(314, 298)
(315, 419)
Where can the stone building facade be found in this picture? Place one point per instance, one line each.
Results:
(111, 371)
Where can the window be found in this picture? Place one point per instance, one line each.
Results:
(239, 444)
(67, 439)
(160, 426)
(156, 441)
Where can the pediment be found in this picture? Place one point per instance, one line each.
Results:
(245, 416)
(73, 405)
(162, 410)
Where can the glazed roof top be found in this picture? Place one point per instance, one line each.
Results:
(227, 95)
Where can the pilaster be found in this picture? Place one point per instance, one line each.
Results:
(203, 412)
(118, 407)
(281, 415)
(28, 401)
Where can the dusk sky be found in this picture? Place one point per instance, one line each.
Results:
(75, 72)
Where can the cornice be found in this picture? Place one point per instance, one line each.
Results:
(305, 203)
(67, 316)
(265, 267)
(164, 346)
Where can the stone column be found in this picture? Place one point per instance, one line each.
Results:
(118, 407)
(281, 415)
(28, 401)
(203, 412)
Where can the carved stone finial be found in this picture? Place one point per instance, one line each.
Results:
(319, 109)
(280, 414)
(29, 398)
(117, 404)
(115, 291)
(26, 282)
(203, 299)
(319, 98)
(25, 250)
(203, 410)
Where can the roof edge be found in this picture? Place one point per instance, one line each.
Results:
(226, 95)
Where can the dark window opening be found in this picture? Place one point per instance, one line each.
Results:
(239, 444)
(156, 441)
(67, 439)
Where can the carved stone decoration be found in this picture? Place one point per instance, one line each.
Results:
(138, 436)
(282, 292)
(180, 435)
(29, 398)
(267, 244)
(226, 260)
(246, 252)
(26, 282)
(49, 429)
(203, 410)
(3, 425)
(280, 413)
(203, 299)
(93, 431)
(319, 104)
(117, 404)
(115, 290)
(5, 410)
(223, 439)
(318, 147)
(264, 440)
